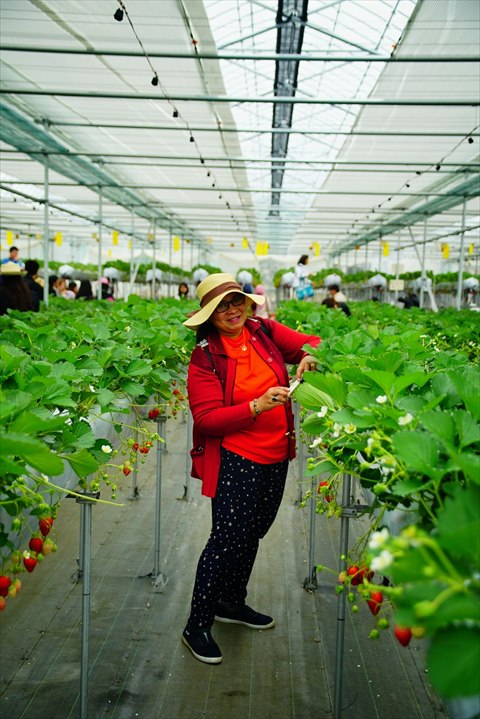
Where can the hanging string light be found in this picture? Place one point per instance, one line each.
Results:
(119, 14)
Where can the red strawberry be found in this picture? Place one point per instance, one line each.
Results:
(153, 413)
(135, 446)
(36, 544)
(328, 497)
(354, 572)
(176, 392)
(29, 562)
(4, 584)
(3, 604)
(45, 525)
(403, 634)
(375, 602)
(126, 471)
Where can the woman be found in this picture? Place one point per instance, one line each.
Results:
(182, 293)
(243, 439)
(301, 284)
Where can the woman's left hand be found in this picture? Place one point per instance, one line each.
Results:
(307, 363)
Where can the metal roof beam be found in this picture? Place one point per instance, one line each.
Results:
(413, 102)
(199, 55)
(256, 131)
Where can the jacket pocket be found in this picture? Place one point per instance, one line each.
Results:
(198, 459)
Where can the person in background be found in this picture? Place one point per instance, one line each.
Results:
(301, 284)
(336, 294)
(14, 291)
(243, 439)
(72, 286)
(264, 310)
(330, 302)
(33, 282)
(107, 290)
(182, 291)
(84, 291)
(411, 300)
(13, 256)
(61, 290)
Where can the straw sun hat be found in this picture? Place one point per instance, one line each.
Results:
(10, 268)
(211, 292)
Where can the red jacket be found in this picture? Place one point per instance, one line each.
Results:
(211, 377)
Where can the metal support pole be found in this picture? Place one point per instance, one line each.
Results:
(100, 227)
(300, 460)
(159, 579)
(154, 263)
(46, 273)
(341, 600)
(186, 486)
(135, 493)
(424, 256)
(311, 580)
(461, 259)
(86, 505)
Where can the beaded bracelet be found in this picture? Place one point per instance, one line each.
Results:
(255, 406)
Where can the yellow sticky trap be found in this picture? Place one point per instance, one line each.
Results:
(114, 237)
(385, 249)
(245, 243)
(176, 244)
(58, 238)
(9, 237)
(445, 250)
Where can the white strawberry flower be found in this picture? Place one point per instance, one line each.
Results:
(381, 399)
(336, 430)
(45, 478)
(370, 442)
(378, 539)
(128, 328)
(106, 448)
(406, 419)
(91, 388)
(384, 560)
(323, 411)
(350, 428)
(316, 442)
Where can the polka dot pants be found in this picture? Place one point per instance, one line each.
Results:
(243, 509)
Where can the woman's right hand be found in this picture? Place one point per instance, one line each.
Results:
(272, 398)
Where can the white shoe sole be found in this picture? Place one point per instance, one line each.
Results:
(245, 624)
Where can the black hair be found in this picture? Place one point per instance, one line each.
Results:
(303, 260)
(13, 248)
(17, 293)
(31, 267)
(335, 288)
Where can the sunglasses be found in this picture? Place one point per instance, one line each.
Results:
(235, 302)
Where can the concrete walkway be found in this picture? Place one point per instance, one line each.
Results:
(138, 665)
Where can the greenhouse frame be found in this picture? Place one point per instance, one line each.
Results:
(325, 154)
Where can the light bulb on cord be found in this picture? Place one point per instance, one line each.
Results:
(118, 15)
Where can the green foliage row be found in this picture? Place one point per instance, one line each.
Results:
(396, 403)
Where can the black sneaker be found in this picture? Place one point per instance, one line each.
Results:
(243, 615)
(202, 645)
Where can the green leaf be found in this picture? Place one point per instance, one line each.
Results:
(331, 384)
(138, 368)
(34, 452)
(453, 661)
(132, 388)
(440, 424)
(470, 466)
(362, 398)
(37, 421)
(417, 450)
(468, 430)
(311, 397)
(58, 393)
(105, 397)
(82, 463)
(459, 523)
(384, 380)
(12, 402)
(407, 380)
